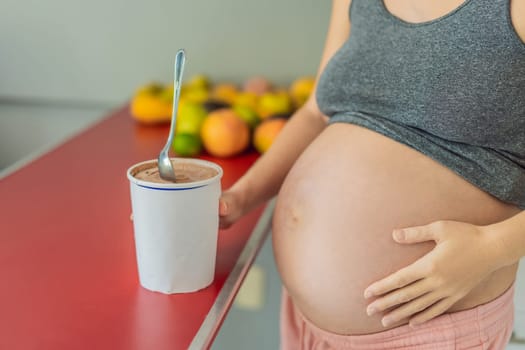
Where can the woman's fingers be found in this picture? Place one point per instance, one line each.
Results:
(224, 211)
(223, 207)
(433, 311)
(410, 308)
(400, 296)
(399, 279)
(416, 234)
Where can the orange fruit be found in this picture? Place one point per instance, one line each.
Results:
(266, 133)
(224, 133)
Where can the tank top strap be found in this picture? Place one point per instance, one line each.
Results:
(366, 9)
(489, 9)
(493, 17)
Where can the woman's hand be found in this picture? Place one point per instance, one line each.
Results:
(231, 208)
(464, 255)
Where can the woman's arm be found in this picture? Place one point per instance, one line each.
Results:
(463, 257)
(264, 178)
(517, 9)
(509, 237)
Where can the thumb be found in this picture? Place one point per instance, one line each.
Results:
(223, 207)
(414, 235)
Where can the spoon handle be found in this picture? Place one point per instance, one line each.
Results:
(180, 59)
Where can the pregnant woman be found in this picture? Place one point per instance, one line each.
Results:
(401, 182)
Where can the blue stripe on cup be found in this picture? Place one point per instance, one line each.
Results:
(171, 189)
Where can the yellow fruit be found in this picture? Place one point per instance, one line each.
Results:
(187, 145)
(266, 133)
(224, 134)
(272, 103)
(247, 114)
(167, 94)
(150, 104)
(195, 94)
(150, 109)
(247, 99)
(199, 81)
(301, 89)
(190, 117)
(224, 93)
(153, 88)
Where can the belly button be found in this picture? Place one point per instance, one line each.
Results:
(288, 218)
(294, 217)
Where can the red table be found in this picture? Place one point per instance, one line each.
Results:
(67, 256)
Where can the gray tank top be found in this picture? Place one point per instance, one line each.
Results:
(452, 88)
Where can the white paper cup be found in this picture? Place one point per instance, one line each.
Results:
(176, 228)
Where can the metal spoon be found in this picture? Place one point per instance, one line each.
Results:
(164, 163)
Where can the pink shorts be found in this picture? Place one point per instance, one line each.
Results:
(488, 327)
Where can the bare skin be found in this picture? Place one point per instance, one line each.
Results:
(343, 189)
(336, 212)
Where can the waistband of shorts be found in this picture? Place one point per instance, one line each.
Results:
(490, 317)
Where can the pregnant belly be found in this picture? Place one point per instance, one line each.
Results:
(335, 213)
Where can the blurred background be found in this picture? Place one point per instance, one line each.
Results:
(64, 64)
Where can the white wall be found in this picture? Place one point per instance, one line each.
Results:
(100, 51)
(28, 131)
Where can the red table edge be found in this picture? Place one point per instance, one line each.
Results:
(208, 330)
(215, 317)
